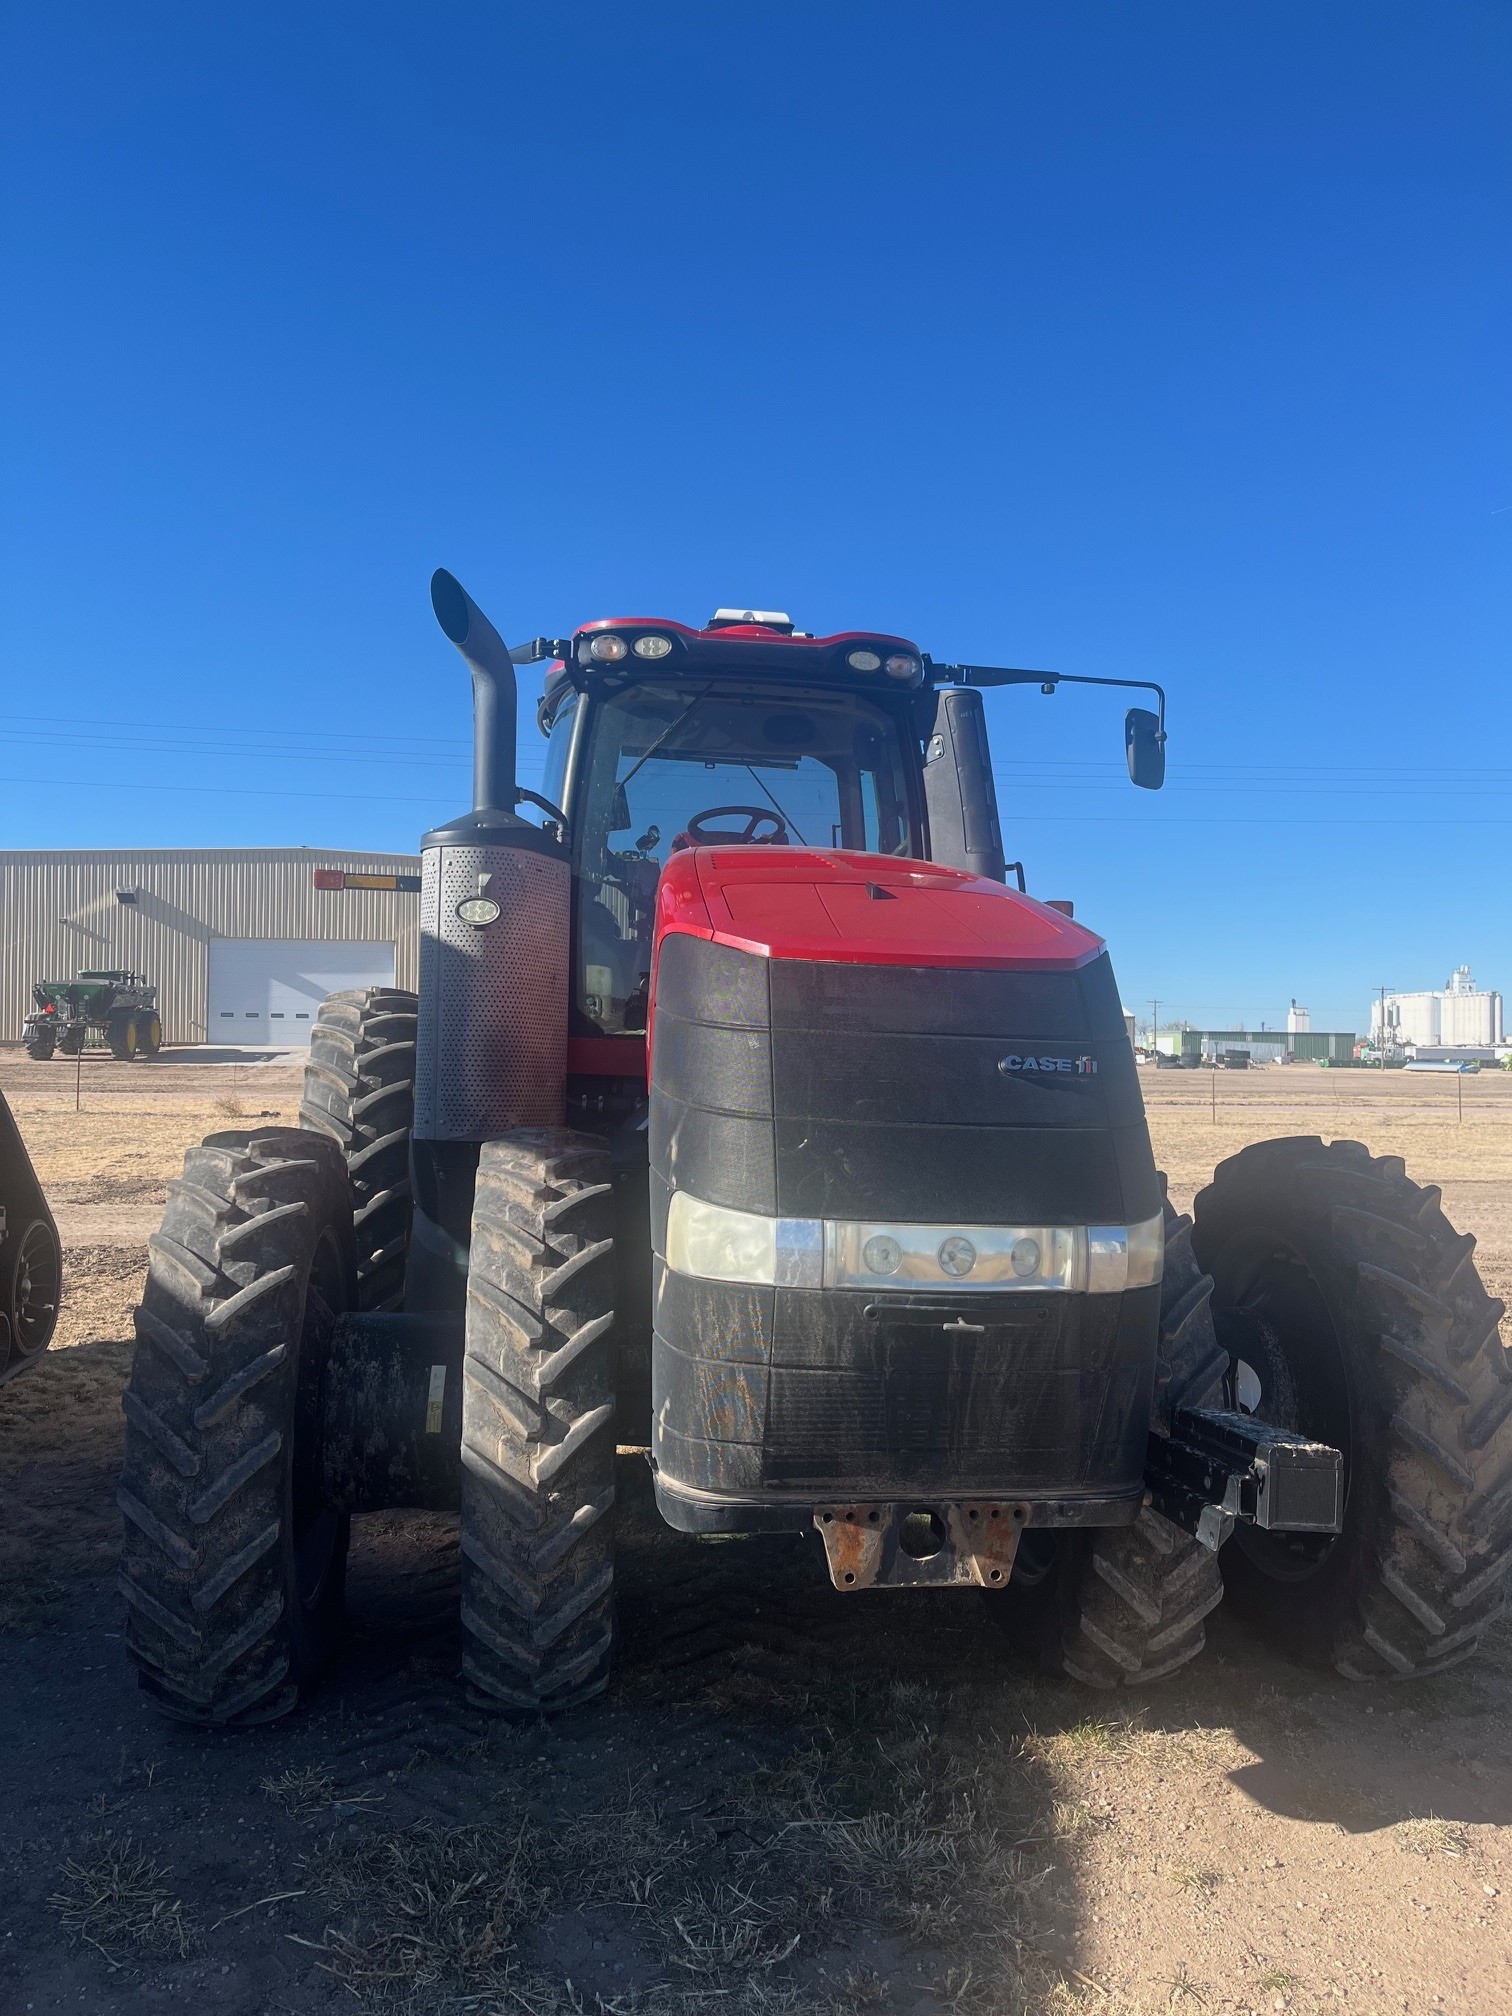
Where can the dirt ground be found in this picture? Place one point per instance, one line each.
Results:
(790, 1802)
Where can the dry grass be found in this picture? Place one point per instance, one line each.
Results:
(311, 1789)
(1091, 1736)
(1182, 1992)
(1276, 1981)
(431, 1915)
(116, 1898)
(1429, 1835)
(1194, 1880)
(883, 1827)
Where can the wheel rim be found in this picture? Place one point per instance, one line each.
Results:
(34, 1298)
(1287, 1368)
(315, 1527)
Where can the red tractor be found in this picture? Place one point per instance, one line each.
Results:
(747, 1115)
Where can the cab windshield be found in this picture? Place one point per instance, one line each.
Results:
(673, 766)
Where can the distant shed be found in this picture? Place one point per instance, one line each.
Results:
(242, 944)
(1264, 1046)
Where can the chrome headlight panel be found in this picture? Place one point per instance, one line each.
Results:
(715, 1242)
(954, 1256)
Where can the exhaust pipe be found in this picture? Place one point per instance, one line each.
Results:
(494, 692)
(495, 923)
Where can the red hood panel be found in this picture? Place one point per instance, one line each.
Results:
(808, 903)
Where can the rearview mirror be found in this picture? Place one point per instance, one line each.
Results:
(1144, 745)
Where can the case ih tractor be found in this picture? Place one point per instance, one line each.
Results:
(748, 1116)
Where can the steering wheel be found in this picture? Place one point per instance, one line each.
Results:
(754, 815)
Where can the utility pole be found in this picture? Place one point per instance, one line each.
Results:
(1154, 1024)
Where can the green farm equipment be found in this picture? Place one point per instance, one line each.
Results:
(117, 1009)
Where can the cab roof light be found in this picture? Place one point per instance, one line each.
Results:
(768, 619)
(863, 661)
(607, 649)
(652, 646)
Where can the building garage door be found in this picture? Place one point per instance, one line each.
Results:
(268, 991)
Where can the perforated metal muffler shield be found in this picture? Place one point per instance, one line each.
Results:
(492, 1049)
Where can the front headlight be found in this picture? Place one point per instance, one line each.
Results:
(1125, 1256)
(1147, 1252)
(714, 1242)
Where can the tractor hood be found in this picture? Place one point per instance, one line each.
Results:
(863, 909)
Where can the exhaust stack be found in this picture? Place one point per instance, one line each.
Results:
(494, 692)
(495, 921)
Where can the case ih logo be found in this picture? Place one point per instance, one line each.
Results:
(1079, 1067)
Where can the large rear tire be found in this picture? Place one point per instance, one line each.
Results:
(359, 1091)
(1355, 1315)
(123, 1034)
(538, 1424)
(1122, 1606)
(232, 1570)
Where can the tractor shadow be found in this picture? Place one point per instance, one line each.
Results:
(879, 1778)
(749, 1630)
(964, 1813)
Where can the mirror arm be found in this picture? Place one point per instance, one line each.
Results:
(539, 648)
(1144, 686)
(1006, 675)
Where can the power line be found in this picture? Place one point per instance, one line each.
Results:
(262, 732)
(1012, 818)
(220, 791)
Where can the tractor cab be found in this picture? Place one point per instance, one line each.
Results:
(746, 733)
(750, 732)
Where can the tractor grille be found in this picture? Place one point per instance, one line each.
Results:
(816, 1090)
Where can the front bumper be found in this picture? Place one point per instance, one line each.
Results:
(770, 1402)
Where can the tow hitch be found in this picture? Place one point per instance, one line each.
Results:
(902, 1546)
(1217, 1468)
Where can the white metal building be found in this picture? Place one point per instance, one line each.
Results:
(1456, 1016)
(242, 944)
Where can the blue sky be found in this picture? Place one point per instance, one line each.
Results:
(1158, 342)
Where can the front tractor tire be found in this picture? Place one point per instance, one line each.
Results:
(359, 1091)
(1123, 1606)
(40, 1043)
(538, 1439)
(1354, 1314)
(232, 1569)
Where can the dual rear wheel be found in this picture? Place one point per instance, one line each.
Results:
(232, 1568)
(134, 1035)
